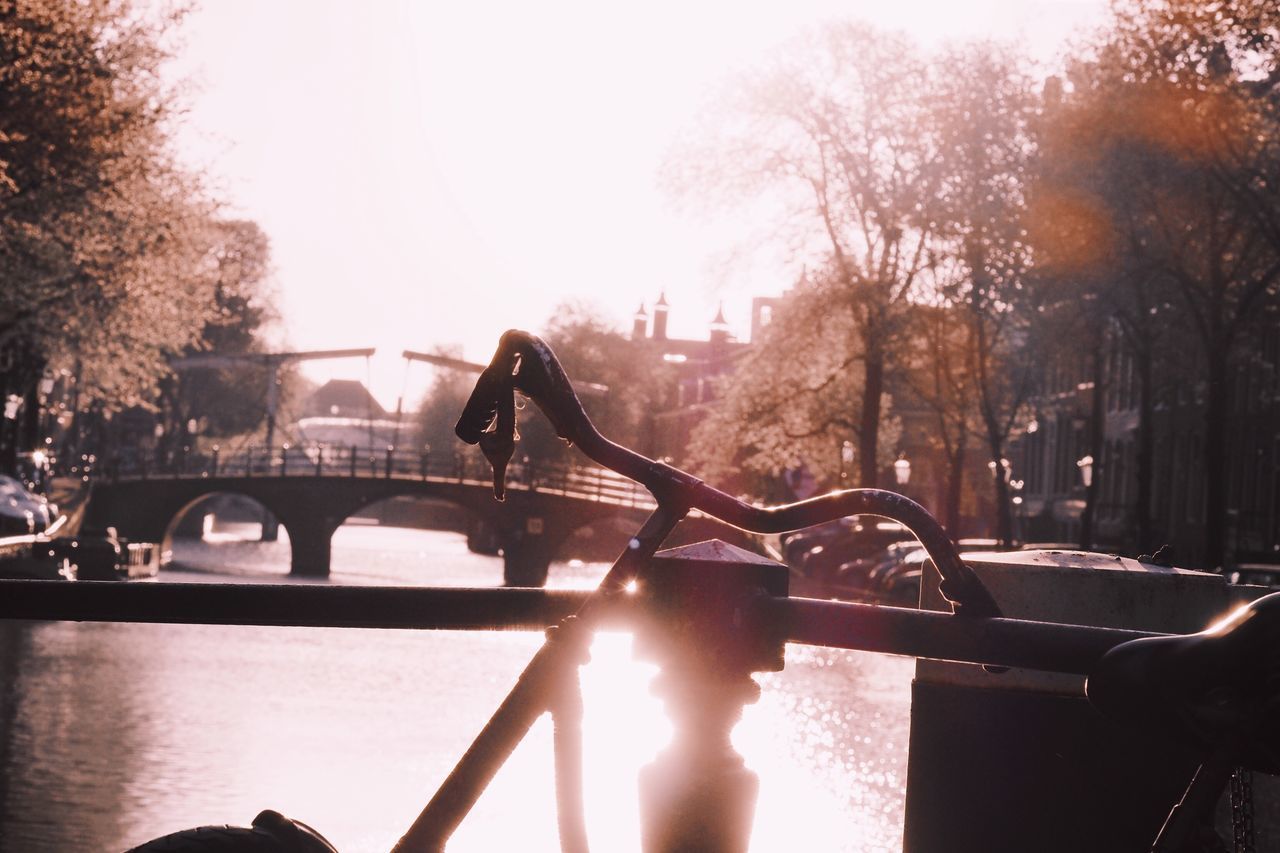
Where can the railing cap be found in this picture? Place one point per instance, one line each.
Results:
(715, 551)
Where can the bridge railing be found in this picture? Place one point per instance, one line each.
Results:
(333, 460)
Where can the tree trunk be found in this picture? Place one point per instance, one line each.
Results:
(29, 435)
(1004, 509)
(869, 434)
(1214, 460)
(955, 488)
(21, 379)
(1145, 451)
(1097, 415)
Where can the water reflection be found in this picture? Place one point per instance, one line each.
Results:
(115, 733)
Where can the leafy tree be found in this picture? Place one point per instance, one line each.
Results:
(786, 403)
(833, 131)
(230, 400)
(906, 175)
(935, 372)
(442, 404)
(593, 352)
(1088, 207)
(105, 248)
(1173, 133)
(981, 111)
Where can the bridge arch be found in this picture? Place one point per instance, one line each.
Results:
(531, 524)
(182, 514)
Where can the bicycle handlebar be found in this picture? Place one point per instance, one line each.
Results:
(524, 362)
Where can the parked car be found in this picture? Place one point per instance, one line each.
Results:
(900, 584)
(1255, 574)
(856, 573)
(795, 545)
(22, 512)
(858, 539)
(903, 589)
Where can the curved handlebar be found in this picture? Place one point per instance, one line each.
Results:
(1217, 690)
(524, 363)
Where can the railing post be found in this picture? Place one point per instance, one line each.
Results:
(390, 450)
(284, 459)
(214, 462)
(425, 460)
(319, 458)
(353, 460)
(709, 633)
(248, 461)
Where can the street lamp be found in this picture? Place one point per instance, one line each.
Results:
(1018, 511)
(1017, 485)
(1085, 464)
(1002, 471)
(902, 471)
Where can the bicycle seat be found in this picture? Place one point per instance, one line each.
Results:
(1217, 691)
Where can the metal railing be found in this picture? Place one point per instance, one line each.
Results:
(330, 460)
(935, 635)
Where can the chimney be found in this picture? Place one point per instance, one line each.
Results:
(719, 329)
(639, 324)
(660, 317)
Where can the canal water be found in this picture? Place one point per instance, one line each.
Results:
(111, 734)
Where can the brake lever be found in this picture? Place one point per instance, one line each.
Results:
(498, 442)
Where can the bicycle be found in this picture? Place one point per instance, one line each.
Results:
(1210, 689)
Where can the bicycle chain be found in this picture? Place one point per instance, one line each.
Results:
(1242, 809)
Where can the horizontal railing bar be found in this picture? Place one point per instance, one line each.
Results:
(1046, 646)
(301, 605)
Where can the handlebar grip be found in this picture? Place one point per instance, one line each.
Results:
(1218, 690)
(481, 407)
(522, 362)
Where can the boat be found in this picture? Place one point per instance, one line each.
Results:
(30, 557)
(107, 557)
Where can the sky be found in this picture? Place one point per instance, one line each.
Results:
(433, 173)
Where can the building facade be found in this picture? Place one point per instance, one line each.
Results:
(694, 371)
(1055, 463)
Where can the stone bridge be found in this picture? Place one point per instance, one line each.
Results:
(312, 494)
